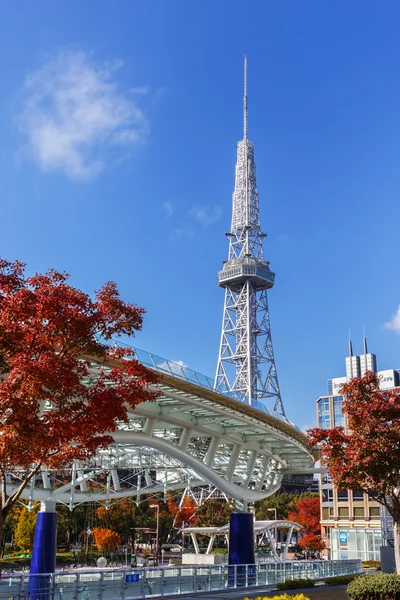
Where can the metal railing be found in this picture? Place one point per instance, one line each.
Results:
(162, 365)
(162, 581)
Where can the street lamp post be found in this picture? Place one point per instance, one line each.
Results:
(157, 506)
(275, 511)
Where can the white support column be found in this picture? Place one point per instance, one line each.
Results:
(289, 537)
(210, 544)
(46, 480)
(147, 476)
(115, 478)
(195, 544)
(263, 472)
(185, 438)
(73, 479)
(232, 462)
(250, 466)
(212, 450)
(149, 425)
(81, 476)
(48, 506)
(273, 545)
(108, 488)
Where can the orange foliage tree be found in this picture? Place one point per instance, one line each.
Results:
(49, 331)
(106, 540)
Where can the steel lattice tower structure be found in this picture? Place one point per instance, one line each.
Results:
(246, 364)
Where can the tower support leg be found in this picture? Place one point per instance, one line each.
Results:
(241, 549)
(43, 552)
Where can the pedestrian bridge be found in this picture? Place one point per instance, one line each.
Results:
(189, 436)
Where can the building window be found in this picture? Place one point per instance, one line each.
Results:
(374, 512)
(358, 495)
(343, 513)
(359, 513)
(327, 495)
(343, 496)
(337, 410)
(323, 413)
(325, 514)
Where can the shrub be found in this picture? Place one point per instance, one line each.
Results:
(294, 584)
(371, 564)
(340, 579)
(281, 597)
(375, 587)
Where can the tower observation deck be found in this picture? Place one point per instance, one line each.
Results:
(246, 364)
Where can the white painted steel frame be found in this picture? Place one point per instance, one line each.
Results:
(189, 436)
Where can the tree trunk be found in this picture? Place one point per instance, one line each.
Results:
(396, 526)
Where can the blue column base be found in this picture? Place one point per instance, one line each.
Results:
(241, 549)
(43, 555)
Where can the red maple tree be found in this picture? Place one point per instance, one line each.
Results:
(307, 513)
(49, 332)
(312, 542)
(367, 457)
(184, 512)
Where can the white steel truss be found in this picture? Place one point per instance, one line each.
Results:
(246, 364)
(189, 437)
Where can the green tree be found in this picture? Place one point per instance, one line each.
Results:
(25, 529)
(70, 524)
(214, 513)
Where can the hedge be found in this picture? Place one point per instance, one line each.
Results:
(375, 587)
(340, 579)
(281, 597)
(294, 584)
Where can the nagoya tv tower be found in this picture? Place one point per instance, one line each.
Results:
(246, 365)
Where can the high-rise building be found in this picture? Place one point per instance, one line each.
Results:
(246, 363)
(350, 519)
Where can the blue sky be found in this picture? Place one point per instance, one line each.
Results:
(118, 122)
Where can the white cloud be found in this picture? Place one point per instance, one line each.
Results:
(74, 112)
(176, 367)
(206, 215)
(394, 324)
(184, 232)
(169, 209)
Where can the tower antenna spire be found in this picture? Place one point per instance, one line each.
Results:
(365, 341)
(245, 100)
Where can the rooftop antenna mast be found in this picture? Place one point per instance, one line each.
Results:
(245, 100)
(246, 363)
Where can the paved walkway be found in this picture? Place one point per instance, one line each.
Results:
(322, 592)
